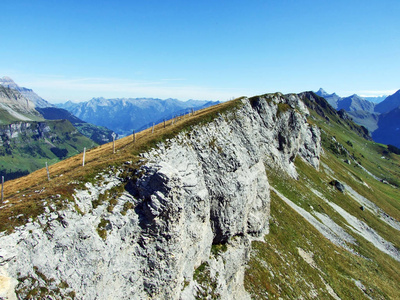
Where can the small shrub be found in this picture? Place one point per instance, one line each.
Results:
(208, 285)
(60, 153)
(112, 204)
(218, 248)
(393, 149)
(282, 108)
(127, 205)
(101, 228)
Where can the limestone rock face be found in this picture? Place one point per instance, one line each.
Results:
(17, 106)
(26, 93)
(39, 129)
(184, 223)
(285, 132)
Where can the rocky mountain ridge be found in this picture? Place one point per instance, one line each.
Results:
(181, 223)
(15, 107)
(350, 103)
(390, 103)
(379, 118)
(27, 93)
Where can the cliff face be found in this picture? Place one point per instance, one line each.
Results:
(15, 130)
(183, 224)
(26, 93)
(15, 107)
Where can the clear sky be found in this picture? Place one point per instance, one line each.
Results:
(210, 49)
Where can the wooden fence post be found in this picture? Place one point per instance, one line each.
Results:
(113, 136)
(152, 129)
(2, 189)
(134, 136)
(48, 173)
(164, 123)
(83, 158)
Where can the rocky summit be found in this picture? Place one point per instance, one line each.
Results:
(180, 222)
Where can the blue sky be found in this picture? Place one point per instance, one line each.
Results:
(76, 50)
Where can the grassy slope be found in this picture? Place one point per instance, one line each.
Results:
(7, 118)
(277, 269)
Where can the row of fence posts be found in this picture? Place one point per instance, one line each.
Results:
(84, 151)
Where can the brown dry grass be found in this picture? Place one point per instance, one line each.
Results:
(23, 195)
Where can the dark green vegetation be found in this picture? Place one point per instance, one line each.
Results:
(43, 288)
(296, 260)
(27, 146)
(218, 248)
(207, 284)
(393, 149)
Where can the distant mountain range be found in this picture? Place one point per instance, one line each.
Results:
(23, 104)
(350, 103)
(332, 99)
(377, 99)
(381, 119)
(33, 131)
(388, 129)
(123, 115)
(28, 140)
(390, 103)
(98, 118)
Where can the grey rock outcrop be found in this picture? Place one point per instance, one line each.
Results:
(11, 131)
(191, 208)
(15, 107)
(27, 93)
(337, 184)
